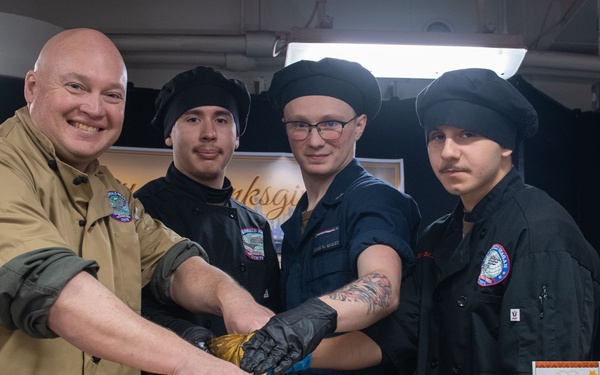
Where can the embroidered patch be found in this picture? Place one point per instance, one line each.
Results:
(495, 266)
(327, 239)
(121, 211)
(253, 240)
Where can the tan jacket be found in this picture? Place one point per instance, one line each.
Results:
(99, 220)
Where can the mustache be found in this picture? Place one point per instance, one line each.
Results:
(451, 167)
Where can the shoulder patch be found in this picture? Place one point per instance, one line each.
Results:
(253, 243)
(121, 210)
(495, 266)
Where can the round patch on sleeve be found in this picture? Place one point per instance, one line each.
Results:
(253, 243)
(121, 211)
(495, 266)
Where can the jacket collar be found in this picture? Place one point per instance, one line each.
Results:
(332, 197)
(502, 192)
(47, 148)
(202, 192)
(39, 138)
(339, 185)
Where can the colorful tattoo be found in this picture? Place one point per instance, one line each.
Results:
(374, 290)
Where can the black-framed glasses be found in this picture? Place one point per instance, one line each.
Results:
(328, 130)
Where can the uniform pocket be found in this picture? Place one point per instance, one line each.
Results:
(537, 329)
(330, 270)
(127, 254)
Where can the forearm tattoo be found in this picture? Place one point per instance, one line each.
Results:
(374, 290)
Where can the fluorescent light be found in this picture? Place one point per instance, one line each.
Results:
(384, 60)
(409, 55)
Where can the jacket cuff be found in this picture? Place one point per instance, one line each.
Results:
(160, 283)
(30, 283)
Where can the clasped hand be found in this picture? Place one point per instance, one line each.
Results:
(288, 337)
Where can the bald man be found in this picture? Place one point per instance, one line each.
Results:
(76, 247)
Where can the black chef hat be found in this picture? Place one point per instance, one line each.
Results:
(341, 79)
(201, 86)
(477, 100)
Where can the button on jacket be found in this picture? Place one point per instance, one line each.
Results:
(237, 240)
(522, 286)
(55, 216)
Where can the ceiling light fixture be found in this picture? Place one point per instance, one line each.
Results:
(389, 54)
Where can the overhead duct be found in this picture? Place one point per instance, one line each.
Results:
(561, 65)
(234, 52)
(240, 53)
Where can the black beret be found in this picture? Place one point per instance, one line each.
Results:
(201, 86)
(479, 101)
(341, 79)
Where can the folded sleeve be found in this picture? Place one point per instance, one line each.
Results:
(160, 283)
(31, 282)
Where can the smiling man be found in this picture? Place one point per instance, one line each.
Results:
(79, 110)
(349, 239)
(76, 248)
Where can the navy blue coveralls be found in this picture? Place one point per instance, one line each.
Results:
(357, 211)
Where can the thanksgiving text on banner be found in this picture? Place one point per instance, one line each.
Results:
(270, 183)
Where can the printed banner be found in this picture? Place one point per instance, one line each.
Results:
(270, 183)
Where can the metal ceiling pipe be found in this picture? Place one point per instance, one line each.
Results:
(228, 61)
(252, 44)
(561, 64)
(239, 53)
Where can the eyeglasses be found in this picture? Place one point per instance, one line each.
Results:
(328, 130)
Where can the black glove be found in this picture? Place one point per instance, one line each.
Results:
(198, 336)
(288, 337)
